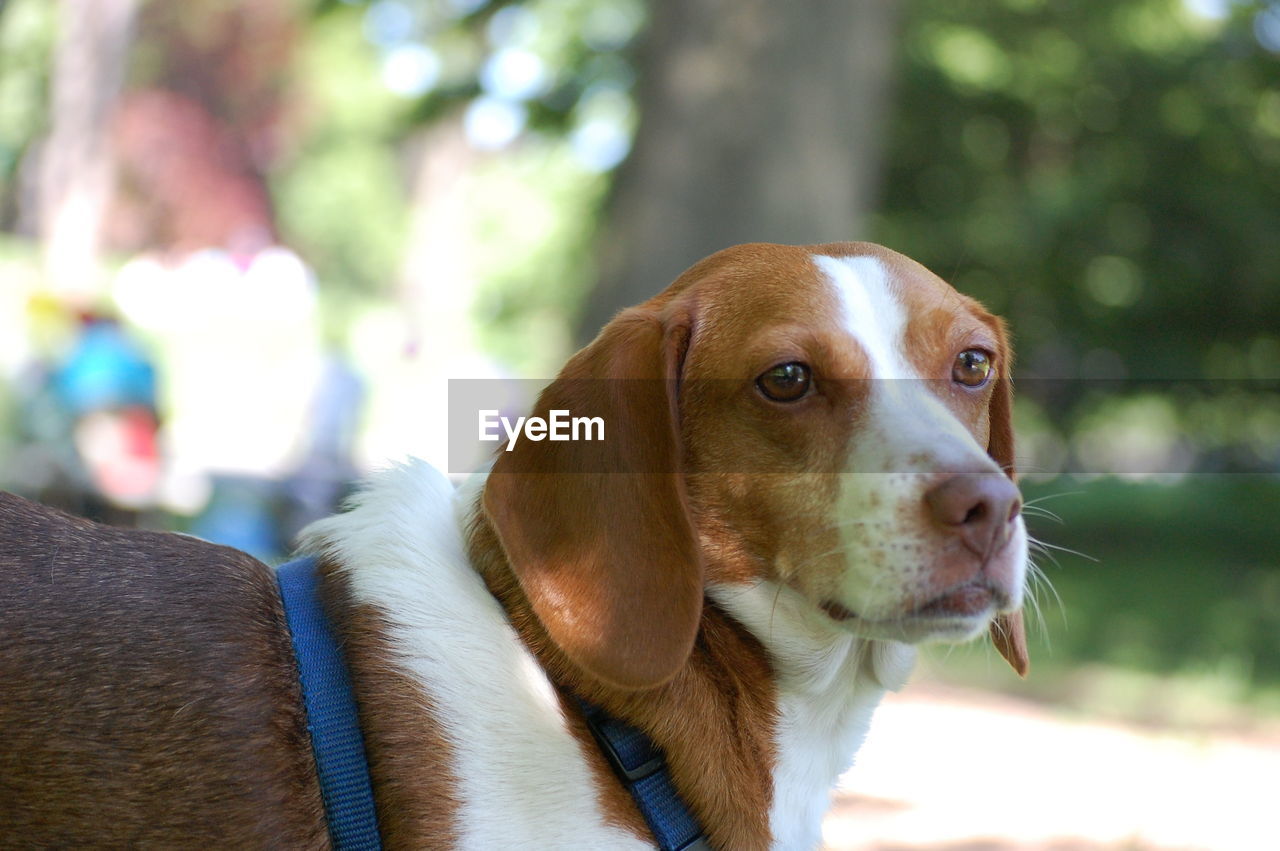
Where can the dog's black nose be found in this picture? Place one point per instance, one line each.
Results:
(979, 507)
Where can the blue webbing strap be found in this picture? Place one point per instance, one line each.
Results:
(643, 770)
(331, 712)
(339, 747)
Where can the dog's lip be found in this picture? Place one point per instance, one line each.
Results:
(970, 600)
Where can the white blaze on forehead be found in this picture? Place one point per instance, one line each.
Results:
(910, 417)
(872, 311)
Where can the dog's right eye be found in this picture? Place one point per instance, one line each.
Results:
(972, 368)
(786, 382)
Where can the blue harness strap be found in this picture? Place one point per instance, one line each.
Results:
(642, 768)
(331, 712)
(339, 747)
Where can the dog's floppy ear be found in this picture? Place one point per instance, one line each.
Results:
(598, 532)
(1008, 632)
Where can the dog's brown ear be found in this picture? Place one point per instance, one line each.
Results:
(598, 532)
(1000, 412)
(1008, 632)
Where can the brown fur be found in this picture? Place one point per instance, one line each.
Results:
(410, 760)
(149, 695)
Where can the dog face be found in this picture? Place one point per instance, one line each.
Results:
(870, 397)
(833, 419)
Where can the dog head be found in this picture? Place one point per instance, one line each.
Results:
(834, 419)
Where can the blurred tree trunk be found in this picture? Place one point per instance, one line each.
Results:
(759, 121)
(75, 175)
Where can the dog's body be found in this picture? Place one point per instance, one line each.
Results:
(740, 572)
(148, 693)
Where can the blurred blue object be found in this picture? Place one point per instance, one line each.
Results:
(242, 513)
(105, 369)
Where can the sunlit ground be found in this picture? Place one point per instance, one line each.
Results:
(955, 769)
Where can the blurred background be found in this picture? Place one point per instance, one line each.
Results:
(244, 244)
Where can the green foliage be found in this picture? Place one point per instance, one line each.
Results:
(340, 197)
(1104, 173)
(27, 32)
(530, 213)
(578, 44)
(535, 210)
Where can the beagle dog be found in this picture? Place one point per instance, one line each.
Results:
(809, 471)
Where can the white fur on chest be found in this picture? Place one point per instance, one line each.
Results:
(523, 780)
(829, 684)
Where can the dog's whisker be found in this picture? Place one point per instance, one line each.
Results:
(773, 610)
(1042, 580)
(1037, 511)
(1033, 601)
(1045, 545)
(1048, 496)
(812, 560)
(1037, 580)
(1038, 549)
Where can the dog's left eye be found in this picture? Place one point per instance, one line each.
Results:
(787, 382)
(972, 368)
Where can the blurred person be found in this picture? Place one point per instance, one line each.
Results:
(240, 354)
(252, 444)
(104, 393)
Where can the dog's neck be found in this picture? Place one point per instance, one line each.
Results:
(799, 691)
(829, 684)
